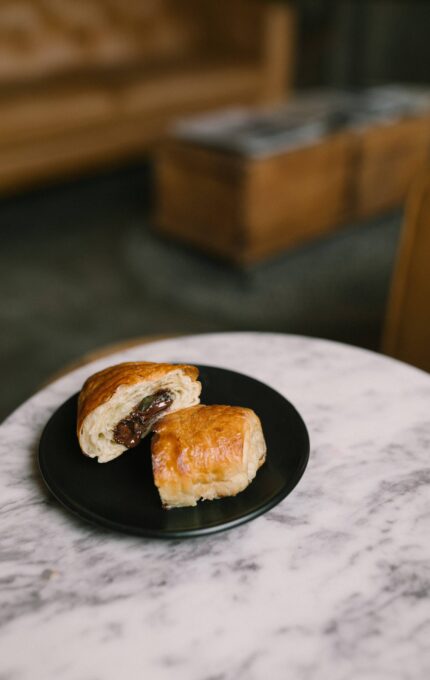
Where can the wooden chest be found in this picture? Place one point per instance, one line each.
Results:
(245, 209)
(391, 157)
(250, 189)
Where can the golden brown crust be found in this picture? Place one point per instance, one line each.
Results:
(198, 443)
(100, 387)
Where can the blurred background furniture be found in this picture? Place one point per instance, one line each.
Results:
(245, 209)
(390, 158)
(84, 82)
(246, 184)
(88, 86)
(407, 329)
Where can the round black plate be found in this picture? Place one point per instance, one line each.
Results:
(121, 494)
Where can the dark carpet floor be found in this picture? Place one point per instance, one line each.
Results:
(80, 268)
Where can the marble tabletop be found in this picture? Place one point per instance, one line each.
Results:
(332, 584)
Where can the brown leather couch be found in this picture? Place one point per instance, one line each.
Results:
(83, 82)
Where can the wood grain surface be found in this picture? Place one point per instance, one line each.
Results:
(407, 328)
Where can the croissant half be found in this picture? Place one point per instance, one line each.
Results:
(206, 452)
(118, 406)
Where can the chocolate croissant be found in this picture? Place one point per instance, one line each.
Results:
(119, 406)
(206, 452)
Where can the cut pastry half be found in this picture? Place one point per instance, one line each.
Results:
(206, 452)
(119, 406)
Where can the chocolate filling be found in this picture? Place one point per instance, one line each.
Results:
(130, 430)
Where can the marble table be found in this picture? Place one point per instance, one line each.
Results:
(332, 584)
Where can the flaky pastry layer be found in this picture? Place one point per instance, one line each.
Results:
(206, 452)
(111, 394)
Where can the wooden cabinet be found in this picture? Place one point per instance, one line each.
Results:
(227, 188)
(391, 157)
(244, 209)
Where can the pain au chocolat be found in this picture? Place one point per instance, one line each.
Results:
(206, 452)
(119, 406)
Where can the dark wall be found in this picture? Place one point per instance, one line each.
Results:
(355, 42)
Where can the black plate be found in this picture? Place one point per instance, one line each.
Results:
(121, 494)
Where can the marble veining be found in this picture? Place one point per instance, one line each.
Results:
(333, 583)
